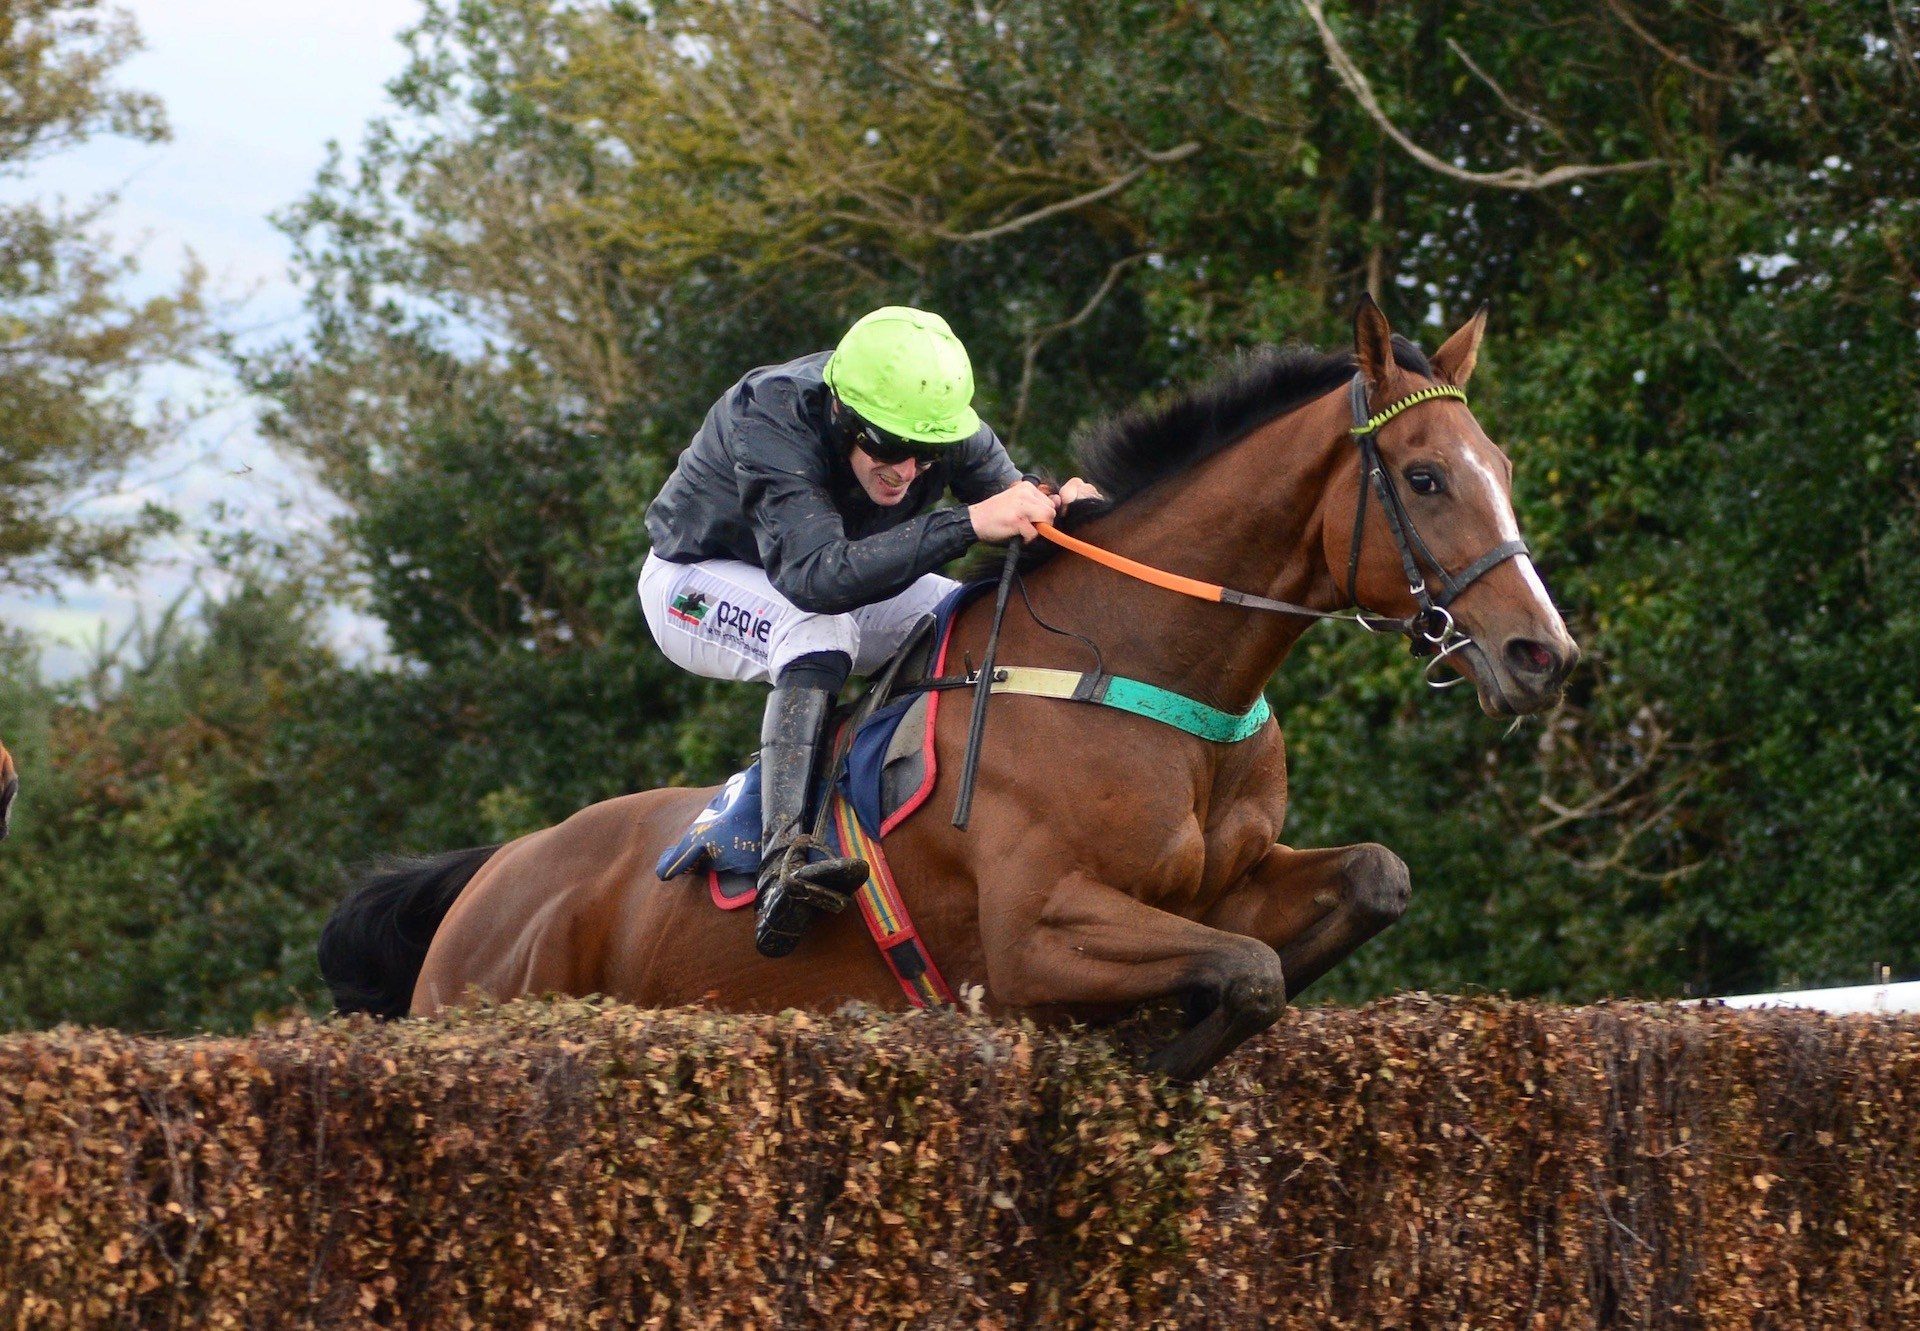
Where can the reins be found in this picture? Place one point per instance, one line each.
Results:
(1174, 582)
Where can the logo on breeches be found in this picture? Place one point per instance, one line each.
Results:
(748, 623)
(689, 607)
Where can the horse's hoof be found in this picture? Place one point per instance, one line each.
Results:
(1255, 1002)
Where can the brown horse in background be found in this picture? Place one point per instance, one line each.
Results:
(9, 787)
(1111, 860)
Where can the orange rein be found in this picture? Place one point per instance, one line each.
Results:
(1173, 582)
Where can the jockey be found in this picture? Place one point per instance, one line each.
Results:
(796, 543)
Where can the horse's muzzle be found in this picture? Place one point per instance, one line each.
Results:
(1540, 667)
(1525, 675)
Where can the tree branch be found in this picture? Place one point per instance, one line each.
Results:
(1051, 331)
(1107, 190)
(1513, 178)
(1602, 803)
(1625, 15)
(1531, 117)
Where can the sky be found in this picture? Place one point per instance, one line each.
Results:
(254, 92)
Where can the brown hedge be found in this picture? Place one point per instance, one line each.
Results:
(1415, 1163)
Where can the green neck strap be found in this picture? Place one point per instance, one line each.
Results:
(1184, 713)
(1132, 695)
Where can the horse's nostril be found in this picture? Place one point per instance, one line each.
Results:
(1531, 658)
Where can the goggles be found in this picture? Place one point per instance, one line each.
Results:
(889, 450)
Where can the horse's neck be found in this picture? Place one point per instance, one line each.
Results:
(1249, 518)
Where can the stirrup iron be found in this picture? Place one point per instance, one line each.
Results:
(794, 892)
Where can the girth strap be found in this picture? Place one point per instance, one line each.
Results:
(885, 911)
(1136, 696)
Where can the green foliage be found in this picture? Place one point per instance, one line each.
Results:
(1711, 403)
(175, 834)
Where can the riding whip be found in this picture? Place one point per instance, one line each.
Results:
(983, 688)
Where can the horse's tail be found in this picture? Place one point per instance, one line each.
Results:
(376, 940)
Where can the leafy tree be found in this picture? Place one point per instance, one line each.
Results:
(72, 345)
(183, 830)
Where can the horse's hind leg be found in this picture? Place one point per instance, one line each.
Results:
(1095, 945)
(1316, 907)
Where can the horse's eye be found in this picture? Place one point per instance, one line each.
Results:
(1424, 480)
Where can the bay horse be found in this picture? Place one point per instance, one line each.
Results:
(1111, 860)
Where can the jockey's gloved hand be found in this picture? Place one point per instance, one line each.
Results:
(1012, 513)
(1074, 491)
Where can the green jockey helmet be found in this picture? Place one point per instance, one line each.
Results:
(903, 370)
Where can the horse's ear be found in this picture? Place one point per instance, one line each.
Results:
(1373, 343)
(1454, 361)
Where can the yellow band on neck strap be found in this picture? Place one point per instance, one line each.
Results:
(1386, 414)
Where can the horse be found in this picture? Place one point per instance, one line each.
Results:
(1111, 860)
(9, 787)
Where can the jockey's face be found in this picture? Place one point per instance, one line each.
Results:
(885, 482)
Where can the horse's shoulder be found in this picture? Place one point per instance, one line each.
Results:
(1255, 770)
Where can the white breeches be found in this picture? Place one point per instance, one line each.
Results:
(723, 619)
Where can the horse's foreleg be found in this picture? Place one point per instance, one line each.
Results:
(1093, 944)
(1316, 907)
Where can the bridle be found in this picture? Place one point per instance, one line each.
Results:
(1430, 630)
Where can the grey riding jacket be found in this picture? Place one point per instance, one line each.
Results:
(765, 482)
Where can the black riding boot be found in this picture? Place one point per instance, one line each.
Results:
(792, 891)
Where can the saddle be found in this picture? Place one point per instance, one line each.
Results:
(882, 768)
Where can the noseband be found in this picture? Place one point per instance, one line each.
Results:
(1430, 630)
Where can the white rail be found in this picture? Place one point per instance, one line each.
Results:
(1904, 997)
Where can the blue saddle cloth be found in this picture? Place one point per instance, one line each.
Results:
(725, 836)
(882, 777)
(871, 780)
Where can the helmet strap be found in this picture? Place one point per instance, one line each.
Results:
(840, 420)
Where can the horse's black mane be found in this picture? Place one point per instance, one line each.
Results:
(1144, 445)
